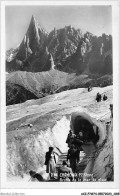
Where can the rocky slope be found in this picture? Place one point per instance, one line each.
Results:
(67, 49)
(50, 117)
(22, 86)
(17, 94)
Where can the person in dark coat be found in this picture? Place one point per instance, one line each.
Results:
(50, 161)
(98, 97)
(35, 176)
(104, 98)
(111, 109)
(70, 138)
(72, 156)
(89, 88)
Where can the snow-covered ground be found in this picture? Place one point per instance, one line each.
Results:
(50, 117)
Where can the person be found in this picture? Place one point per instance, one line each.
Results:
(104, 98)
(98, 97)
(80, 135)
(63, 170)
(79, 148)
(89, 88)
(35, 176)
(78, 140)
(70, 138)
(50, 162)
(72, 156)
(111, 109)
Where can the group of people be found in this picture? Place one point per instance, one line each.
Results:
(99, 97)
(75, 146)
(50, 162)
(69, 166)
(77, 139)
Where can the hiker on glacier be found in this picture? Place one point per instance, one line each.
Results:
(98, 97)
(89, 88)
(104, 97)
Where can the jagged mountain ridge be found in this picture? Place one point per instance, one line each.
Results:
(68, 49)
(62, 43)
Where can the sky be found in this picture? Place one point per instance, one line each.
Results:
(95, 19)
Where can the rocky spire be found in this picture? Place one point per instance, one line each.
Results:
(32, 41)
(33, 29)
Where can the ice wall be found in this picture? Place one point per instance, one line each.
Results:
(28, 153)
(103, 167)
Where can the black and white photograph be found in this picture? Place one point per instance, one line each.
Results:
(58, 79)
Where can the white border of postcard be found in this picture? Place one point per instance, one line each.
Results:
(56, 188)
